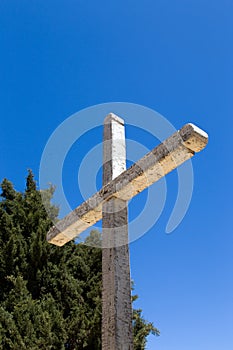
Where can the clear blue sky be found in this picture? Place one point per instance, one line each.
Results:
(58, 57)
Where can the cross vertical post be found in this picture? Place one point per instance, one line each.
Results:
(116, 284)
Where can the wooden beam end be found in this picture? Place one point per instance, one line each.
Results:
(193, 137)
(113, 117)
(54, 236)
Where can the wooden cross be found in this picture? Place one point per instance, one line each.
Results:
(110, 205)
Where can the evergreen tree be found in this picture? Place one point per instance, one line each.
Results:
(50, 297)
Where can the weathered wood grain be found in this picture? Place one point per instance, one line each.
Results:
(167, 156)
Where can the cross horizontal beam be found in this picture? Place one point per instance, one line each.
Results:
(164, 158)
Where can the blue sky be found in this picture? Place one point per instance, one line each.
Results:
(58, 57)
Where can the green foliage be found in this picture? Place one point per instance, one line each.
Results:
(50, 297)
(141, 329)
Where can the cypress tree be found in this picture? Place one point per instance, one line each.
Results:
(50, 297)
